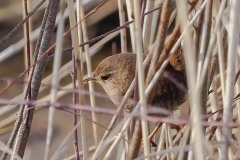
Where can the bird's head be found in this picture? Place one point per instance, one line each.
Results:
(115, 74)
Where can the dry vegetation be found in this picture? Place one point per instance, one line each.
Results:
(207, 31)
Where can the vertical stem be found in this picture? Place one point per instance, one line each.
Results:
(201, 81)
(130, 18)
(221, 62)
(194, 95)
(27, 52)
(233, 40)
(136, 140)
(160, 40)
(214, 99)
(36, 73)
(142, 97)
(205, 37)
(155, 22)
(55, 82)
(74, 99)
(19, 120)
(147, 25)
(89, 71)
(75, 42)
(122, 20)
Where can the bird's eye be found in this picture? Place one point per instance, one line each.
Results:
(105, 77)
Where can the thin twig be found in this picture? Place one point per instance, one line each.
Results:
(27, 55)
(74, 99)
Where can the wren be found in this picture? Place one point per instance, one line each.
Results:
(115, 74)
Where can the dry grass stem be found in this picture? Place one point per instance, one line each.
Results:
(78, 55)
(55, 83)
(231, 68)
(190, 61)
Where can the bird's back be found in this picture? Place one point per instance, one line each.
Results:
(171, 89)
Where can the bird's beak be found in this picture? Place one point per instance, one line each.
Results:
(88, 79)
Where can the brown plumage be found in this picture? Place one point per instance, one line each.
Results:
(115, 74)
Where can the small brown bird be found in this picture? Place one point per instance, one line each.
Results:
(115, 74)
